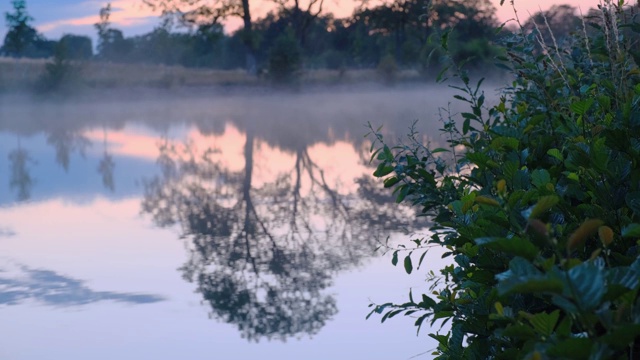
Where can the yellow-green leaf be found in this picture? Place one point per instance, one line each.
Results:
(499, 308)
(501, 186)
(556, 154)
(544, 204)
(487, 201)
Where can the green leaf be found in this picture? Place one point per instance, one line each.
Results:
(394, 258)
(631, 230)
(420, 320)
(519, 331)
(487, 201)
(556, 154)
(387, 153)
(466, 125)
(404, 191)
(408, 266)
(523, 277)
(623, 335)
(515, 246)
(540, 178)
(633, 201)
(623, 276)
(544, 323)
(587, 284)
(440, 78)
(564, 328)
(421, 259)
(573, 176)
(507, 142)
(572, 348)
(443, 340)
(391, 181)
(564, 304)
(621, 280)
(444, 40)
(427, 302)
(467, 115)
(581, 107)
(383, 170)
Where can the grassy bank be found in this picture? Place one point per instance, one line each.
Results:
(24, 74)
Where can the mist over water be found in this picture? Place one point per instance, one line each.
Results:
(173, 224)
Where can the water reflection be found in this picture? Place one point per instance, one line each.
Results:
(106, 165)
(20, 178)
(6, 232)
(65, 142)
(263, 250)
(264, 254)
(20, 283)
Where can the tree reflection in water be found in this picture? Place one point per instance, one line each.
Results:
(20, 178)
(106, 165)
(65, 142)
(263, 256)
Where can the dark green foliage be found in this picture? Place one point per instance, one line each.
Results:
(77, 47)
(399, 28)
(114, 46)
(537, 201)
(285, 59)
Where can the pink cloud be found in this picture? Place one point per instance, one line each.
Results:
(124, 13)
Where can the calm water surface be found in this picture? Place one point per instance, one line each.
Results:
(209, 226)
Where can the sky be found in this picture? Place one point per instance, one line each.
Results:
(55, 18)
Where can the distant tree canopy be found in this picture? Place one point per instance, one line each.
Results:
(204, 12)
(22, 40)
(77, 47)
(406, 33)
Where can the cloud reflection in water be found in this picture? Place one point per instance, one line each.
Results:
(20, 283)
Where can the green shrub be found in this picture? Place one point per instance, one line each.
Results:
(540, 213)
(60, 74)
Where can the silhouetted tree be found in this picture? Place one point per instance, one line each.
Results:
(20, 35)
(204, 12)
(22, 40)
(112, 44)
(300, 15)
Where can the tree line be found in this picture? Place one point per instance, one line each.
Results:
(396, 33)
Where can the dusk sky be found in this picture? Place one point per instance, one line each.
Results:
(54, 18)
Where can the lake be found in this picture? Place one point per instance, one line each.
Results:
(210, 225)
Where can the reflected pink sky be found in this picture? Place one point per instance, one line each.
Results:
(230, 147)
